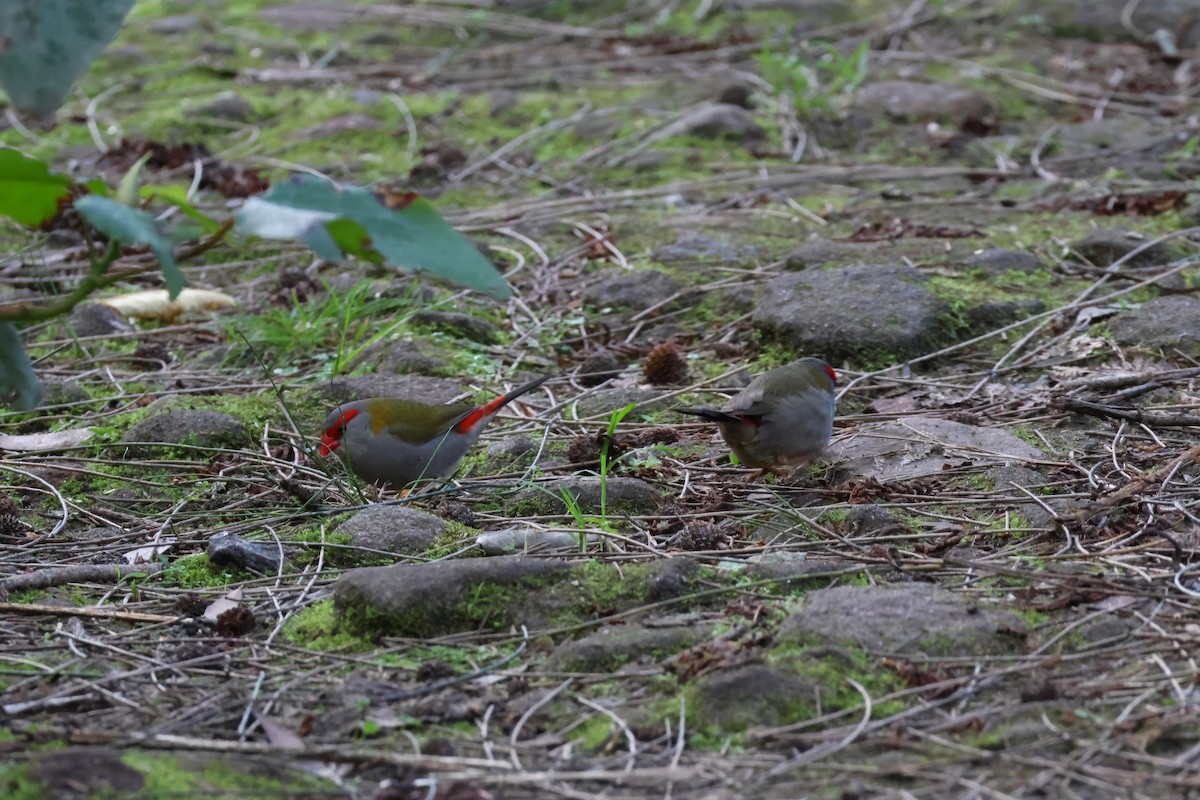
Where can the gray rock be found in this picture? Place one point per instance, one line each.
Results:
(436, 598)
(1169, 322)
(1104, 246)
(510, 448)
(998, 261)
(872, 518)
(693, 246)
(998, 313)
(502, 101)
(790, 569)
(1117, 21)
(715, 120)
(196, 427)
(597, 127)
(1108, 134)
(913, 619)
(229, 106)
(610, 648)
(462, 326)
(84, 772)
(405, 387)
(920, 102)
(393, 529)
(636, 290)
(625, 496)
(851, 311)
(407, 357)
(671, 578)
(892, 451)
(822, 252)
(57, 393)
(230, 549)
(598, 368)
(96, 319)
(751, 696)
(467, 594)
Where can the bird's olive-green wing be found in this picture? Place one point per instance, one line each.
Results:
(412, 421)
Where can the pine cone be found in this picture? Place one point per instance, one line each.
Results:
(700, 536)
(665, 364)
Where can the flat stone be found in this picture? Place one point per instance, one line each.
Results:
(851, 311)
(624, 496)
(229, 106)
(1168, 322)
(716, 120)
(466, 594)
(423, 599)
(998, 261)
(195, 427)
(920, 102)
(916, 446)
(461, 326)
(693, 246)
(751, 696)
(393, 529)
(1104, 246)
(96, 319)
(636, 290)
(912, 619)
(405, 387)
(610, 648)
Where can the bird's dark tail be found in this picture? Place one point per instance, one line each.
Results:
(710, 414)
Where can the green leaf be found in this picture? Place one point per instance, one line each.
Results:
(48, 44)
(127, 192)
(177, 196)
(405, 231)
(133, 226)
(354, 240)
(30, 193)
(19, 387)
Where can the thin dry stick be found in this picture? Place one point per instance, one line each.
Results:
(516, 731)
(86, 611)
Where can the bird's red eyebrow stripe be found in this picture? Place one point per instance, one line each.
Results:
(832, 375)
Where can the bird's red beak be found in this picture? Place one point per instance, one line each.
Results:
(331, 437)
(328, 444)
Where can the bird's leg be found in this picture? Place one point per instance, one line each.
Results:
(756, 475)
(778, 471)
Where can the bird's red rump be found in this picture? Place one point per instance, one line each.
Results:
(331, 437)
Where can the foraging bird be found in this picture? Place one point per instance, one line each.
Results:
(401, 441)
(784, 418)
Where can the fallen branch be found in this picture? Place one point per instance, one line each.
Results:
(78, 573)
(1154, 418)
